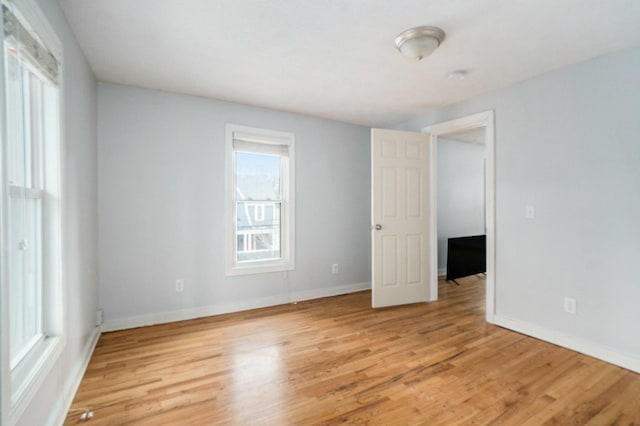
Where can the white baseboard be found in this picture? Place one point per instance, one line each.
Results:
(577, 344)
(225, 308)
(73, 381)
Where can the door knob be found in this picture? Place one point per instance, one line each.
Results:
(378, 227)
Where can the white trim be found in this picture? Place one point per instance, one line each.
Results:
(584, 346)
(225, 308)
(5, 369)
(482, 119)
(433, 218)
(287, 209)
(47, 359)
(31, 193)
(72, 383)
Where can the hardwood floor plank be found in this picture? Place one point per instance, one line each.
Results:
(335, 360)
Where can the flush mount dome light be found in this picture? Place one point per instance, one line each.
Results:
(419, 42)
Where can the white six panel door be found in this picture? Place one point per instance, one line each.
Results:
(400, 217)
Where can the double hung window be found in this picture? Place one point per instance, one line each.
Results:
(31, 200)
(259, 201)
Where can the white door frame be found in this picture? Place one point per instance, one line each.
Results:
(483, 119)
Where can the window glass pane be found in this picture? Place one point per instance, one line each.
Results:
(260, 240)
(36, 130)
(257, 176)
(26, 274)
(16, 149)
(24, 167)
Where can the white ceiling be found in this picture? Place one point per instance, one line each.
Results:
(336, 58)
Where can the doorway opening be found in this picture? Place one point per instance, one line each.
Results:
(474, 129)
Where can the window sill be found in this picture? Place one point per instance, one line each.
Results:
(29, 374)
(260, 268)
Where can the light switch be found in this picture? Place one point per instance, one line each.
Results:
(530, 212)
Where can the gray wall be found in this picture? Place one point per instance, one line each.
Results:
(161, 205)
(460, 193)
(567, 142)
(80, 226)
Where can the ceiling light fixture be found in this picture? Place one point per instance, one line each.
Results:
(419, 42)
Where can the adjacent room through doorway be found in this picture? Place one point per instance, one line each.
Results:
(461, 204)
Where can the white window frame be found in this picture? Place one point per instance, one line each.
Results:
(20, 384)
(287, 222)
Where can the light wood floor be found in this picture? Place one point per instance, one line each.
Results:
(335, 360)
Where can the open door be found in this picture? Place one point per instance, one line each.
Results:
(400, 217)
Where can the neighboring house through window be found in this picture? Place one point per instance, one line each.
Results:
(260, 208)
(258, 212)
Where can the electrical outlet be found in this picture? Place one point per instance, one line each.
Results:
(530, 212)
(570, 305)
(334, 268)
(180, 285)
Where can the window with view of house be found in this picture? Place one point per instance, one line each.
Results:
(258, 212)
(31, 198)
(260, 200)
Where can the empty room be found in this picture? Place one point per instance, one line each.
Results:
(341, 212)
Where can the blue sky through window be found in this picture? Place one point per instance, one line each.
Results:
(248, 163)
(258, 176)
